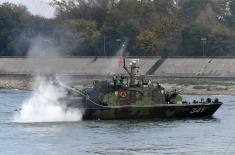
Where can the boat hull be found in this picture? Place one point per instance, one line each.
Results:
(147, 112)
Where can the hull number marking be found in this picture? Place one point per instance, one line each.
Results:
(197, 110)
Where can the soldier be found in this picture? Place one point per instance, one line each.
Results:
(149, 83)
(122, 79)
(167, 97)
(114, 82)
(119, 84)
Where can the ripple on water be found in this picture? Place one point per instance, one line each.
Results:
(185, 136)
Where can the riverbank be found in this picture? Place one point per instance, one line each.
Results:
(193, 90)
(196, 86)
(183, 86)
(200, 75)
(16, 81)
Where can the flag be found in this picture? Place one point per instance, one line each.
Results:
(120, 62)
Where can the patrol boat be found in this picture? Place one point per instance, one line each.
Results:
(135, 97)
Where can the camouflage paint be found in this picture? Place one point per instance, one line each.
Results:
(159, 111)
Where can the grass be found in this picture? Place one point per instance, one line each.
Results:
(201, 84)
(201, 87)
(221, 88)
(209, 88)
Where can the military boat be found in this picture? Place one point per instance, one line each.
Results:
(135, 97)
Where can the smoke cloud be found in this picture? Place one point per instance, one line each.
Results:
(46, 103)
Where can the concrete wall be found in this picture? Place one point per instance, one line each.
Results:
(197, 67)
(73, 66)
(171, 67)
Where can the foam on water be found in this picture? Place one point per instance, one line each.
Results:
(44, 105)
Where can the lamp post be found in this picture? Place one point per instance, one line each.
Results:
(104, 45)
(118, 41)
(203, 46)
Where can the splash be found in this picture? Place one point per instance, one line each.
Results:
(44, 105)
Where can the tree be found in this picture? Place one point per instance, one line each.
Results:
(78, 37)
(191, 44)
(89, 37)
(119, 27)
(190, 9)
(152, 27)
(93, 10)
(168, 31)
(220, 44)
(231, 18)
(14, 23)
(147, 43)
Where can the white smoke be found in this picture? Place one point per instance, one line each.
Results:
(45, 106)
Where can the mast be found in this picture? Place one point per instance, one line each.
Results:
(132, 72)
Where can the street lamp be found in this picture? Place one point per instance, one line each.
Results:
(118, 40)
(203, 46)
(104, 45)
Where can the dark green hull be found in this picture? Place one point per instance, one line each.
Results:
(147, 112)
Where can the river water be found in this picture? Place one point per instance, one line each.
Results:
(136, 137)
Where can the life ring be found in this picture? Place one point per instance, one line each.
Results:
(122, 94)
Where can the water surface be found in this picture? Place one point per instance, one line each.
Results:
(136, 137)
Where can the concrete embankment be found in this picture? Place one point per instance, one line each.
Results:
(18, 72)
(101, 66)
(71, 66)
(197, 68)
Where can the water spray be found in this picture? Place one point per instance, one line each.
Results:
(44, 105)
(115, 64)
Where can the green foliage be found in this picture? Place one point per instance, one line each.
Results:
(230, 20)
(147, 43)
(190, 9)
(13, 20)
(156, 27)
(89, 36)
(201, 87)
(191, 40)
(152, 27)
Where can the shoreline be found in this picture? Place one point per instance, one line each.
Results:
(202, 88)
(223, 88)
